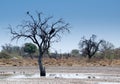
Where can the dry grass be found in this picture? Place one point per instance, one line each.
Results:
(60, 62)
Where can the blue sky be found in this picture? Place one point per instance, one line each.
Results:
(87, 17)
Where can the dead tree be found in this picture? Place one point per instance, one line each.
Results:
(89, 47)
(42, 32)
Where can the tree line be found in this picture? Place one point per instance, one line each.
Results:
(88, 48)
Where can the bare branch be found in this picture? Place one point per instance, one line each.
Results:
(89, 46)
(41, 32)
(31, 17)
(39, 17)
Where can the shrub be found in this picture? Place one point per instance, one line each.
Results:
(5, 55)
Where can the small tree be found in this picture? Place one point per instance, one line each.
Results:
(107, 49)
(8, 48)
(30, 48)
(5, 55)
(75, 52)
(42, 32)
(89, 46)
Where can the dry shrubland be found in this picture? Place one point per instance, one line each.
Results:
(61, 62)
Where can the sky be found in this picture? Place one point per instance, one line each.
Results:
(86, 17)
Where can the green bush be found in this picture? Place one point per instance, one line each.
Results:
(5, 55)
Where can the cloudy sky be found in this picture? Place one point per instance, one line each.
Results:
(86, 17)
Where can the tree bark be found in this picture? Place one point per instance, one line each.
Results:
(31, 56)
(89, 56)
(41, 67)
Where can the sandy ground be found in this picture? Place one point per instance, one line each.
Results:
(113, 71)
(43, 81)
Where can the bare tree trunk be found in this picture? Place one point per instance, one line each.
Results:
(41, 67)
(31, 56)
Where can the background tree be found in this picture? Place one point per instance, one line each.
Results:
(75, 52)
(30, 48)
(7, 48)
(107, 49)
(89, 46)
(42, 32)
(12, 51)
(117, 53)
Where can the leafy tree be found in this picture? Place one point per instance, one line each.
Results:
(75, 52)
(30, 48)
(89, 46)
(42, 32)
